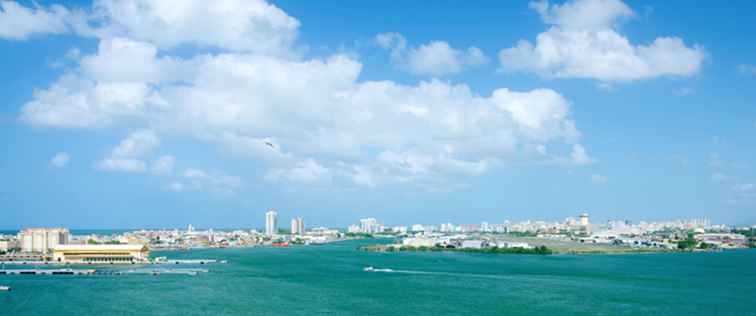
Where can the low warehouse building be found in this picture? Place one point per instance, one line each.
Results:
(100, 253)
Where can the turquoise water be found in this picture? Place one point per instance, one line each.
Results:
(329, 280)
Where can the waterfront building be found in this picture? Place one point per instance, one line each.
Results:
(42, 240)
(271, 223)
(418, 228)
(100, 253)
(399, 229)
(484, 227)
(8, 245)
(297, 226)
(447, 228)
(584, 219)
(353, 229)
(369, 225)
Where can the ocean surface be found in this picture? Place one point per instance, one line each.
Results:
(329, 280)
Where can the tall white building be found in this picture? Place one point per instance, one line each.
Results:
(369, 225)
(297, 226)
(584, 219)
(42, 240)
(271, 223)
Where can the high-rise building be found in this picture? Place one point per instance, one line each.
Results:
(42, 240)
(297, 226)
(584, 219)
(369, 225)
(271, 223)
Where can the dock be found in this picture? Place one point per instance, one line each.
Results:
(47, 272)
(190, 272)
(189, 261)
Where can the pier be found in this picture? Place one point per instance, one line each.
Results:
(190, 272)
(48, 272)
(155, 262)
(188, 261)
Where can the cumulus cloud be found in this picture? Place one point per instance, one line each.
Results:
(747, 69)
(304, 120)
(580, 156)
(122, 165)
(684, 91)
(18, 22)
(435, 58)
(234, 25)
(583, 42)
(744, 193)
(213, 181)
(124, 157)
(163, 165)
(137, 143)
(60, 160)
(600, 179)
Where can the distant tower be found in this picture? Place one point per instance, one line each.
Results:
(297, 226)
(271, 223)
(584, 219)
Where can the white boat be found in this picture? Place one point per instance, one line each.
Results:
(368, 269)
(4, 288)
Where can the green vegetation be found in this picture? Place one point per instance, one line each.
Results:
(2, 252)
(745, 232)
(358, 235)
(110, 242)
(539, 250)
(687, 244)
(522, 234)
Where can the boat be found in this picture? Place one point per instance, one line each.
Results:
(280, 244)
(4, 288)
(368, 269)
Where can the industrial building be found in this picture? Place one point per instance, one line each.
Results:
(132, 253)
(42, 240)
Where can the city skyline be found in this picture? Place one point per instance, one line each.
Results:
(129, 116)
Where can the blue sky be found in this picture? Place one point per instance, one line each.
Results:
(157, 114)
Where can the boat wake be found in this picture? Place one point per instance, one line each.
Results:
(438, 273)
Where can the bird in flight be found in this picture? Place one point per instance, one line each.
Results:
(270, 144)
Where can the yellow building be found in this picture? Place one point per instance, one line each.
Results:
(101, 253)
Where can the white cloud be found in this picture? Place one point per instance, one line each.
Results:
(163, 165)
(214, 181)
(435, 58)
(123, 158)
(122, 165)
(585, 14)
(747, 69)
(600, 179)
(60, 160)
(176, 186)
(236, 25)
(583, 42)
(307, 171)
(19, 23)
(744, 193)
(580, 156)
(305, 121)
(137, 144)
(719, 177)
(684, 91)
